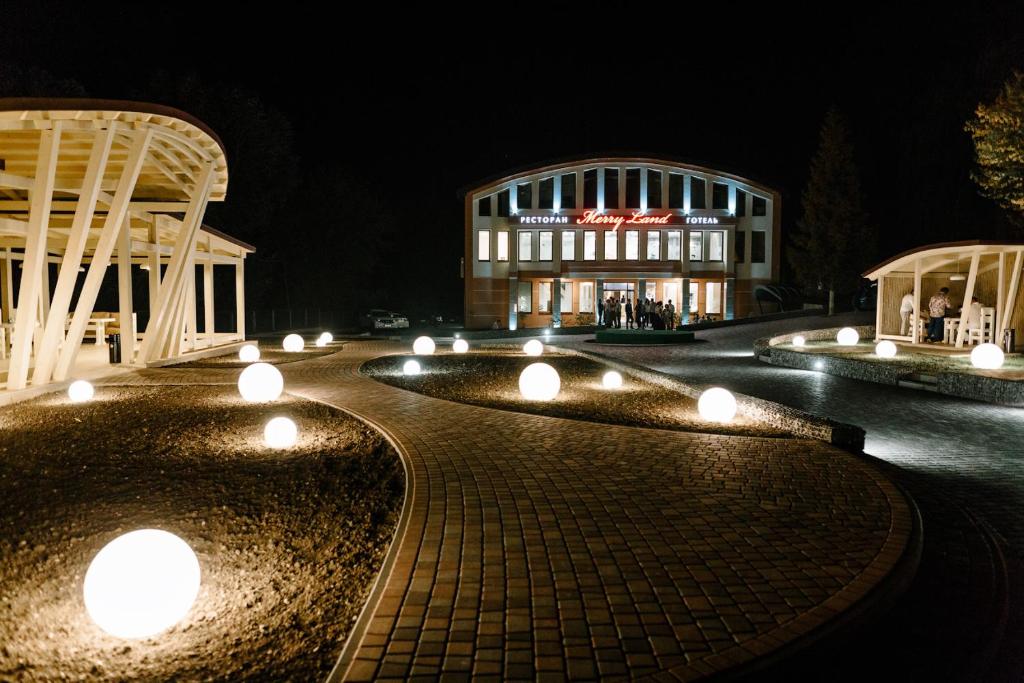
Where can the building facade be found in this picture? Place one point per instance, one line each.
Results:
(543, 246)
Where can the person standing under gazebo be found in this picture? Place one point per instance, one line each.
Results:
(937, 306)
(906, 310)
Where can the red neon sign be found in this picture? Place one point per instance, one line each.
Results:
(592, 217)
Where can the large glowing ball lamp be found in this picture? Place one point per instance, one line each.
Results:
(717, 405)
(293, 343)
(533, 348)
(460, 346)
(80, 391)
(848, 337)
(799, 340)
(885, 349)
(327, 337)
(250, 353)
(410, 368)
(321, 342)
(611, 380)
(280, 432)
(260, 383)
(141, 583)
(987, 357)
(423, 346)
(539, 382)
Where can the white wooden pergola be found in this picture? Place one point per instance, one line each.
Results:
(977, 265)
(86, 184)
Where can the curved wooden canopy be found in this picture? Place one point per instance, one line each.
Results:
(940, 253)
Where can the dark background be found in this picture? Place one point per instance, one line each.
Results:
(350, 128)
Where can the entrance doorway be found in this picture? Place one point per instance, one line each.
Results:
(623, 291)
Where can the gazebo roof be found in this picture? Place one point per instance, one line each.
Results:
(939, 255)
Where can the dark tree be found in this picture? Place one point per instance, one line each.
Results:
(998, 133)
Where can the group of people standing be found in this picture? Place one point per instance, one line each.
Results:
(938, 305)
(641, 314)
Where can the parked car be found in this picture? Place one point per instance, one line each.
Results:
(866, 298)
(379, 319)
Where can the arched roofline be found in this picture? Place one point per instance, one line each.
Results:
(936, 249)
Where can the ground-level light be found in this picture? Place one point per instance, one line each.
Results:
(539, 382)
(847, 337)
(460, 346)
(799, 340)
(717, 405)
(533, 348)
(280, 432)
(327, 337)
(80, 391)
(612, 380)
(260, 382)
(423, 346)
(819, 365)
(250, 353)
(411, 367)
(885, 349)
(141, 583)
(987, 357)
(293, 343)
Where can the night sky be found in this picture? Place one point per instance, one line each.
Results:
(419, 104)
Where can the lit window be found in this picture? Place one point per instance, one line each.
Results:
(694, 293)
(589, 245)
(503, 245)
(671, 294)
(483, 245)
(525, 297)
(674, 245)
(716, 242)
(696, 246)
(544, 298)
(565, 301)
(632, 245)
(568, 245)
(611, 245)
(654, 245)
(698, 193)
(757, 246)
(713, 303)
(526, 246)
(545, 245)
(760, 207)
(651, 291)
(586, 297)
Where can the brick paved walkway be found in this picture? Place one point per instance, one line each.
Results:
(537, 547)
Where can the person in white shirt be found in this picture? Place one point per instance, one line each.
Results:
(974, 314)
(906, 310)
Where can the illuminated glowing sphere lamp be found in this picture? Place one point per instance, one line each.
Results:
(612, 380)
(885, 349)
(80, 391)
(533, 348)
(411, 367)
(717, 405)
(293, 343)
(423, 346)
(460, 346)
(987, 357)
(539, 382)
(141, 583)
(280, 432)
(250, 353)
(327, 337)
(321, 342)
(847, 337)
(260, 383)
(799, 340)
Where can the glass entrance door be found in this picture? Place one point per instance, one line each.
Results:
(622, 292)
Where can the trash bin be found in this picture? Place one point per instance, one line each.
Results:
(114, 346)
(1009, 340)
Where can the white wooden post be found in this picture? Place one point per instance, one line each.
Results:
(8, 287)
(961, 329)
(878, 307)
(208, 321)
(190, 308)
(240, 298)
(916, 322)
(1000, 297)
(124, 292)
(154, 265)
(1011, 295)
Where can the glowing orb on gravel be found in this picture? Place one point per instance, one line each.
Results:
(819, 365)
(533, 348)
(885, 349)
(847, 337)
(539, 382)
(80, 391)
(280, 432)
(260, 382)
(460, 346)
(612, 380)
(987, 357)
(799, 340)
(411, 367)
(293, 343)
(326, 336)
(423, 346)
(717, 405)
(321, 342)
(250, 353)
(141, 583)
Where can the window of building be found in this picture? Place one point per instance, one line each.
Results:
(546, 194)
(568, 245)
(741, 203)
(503, 206)
(484, 206)
(589, 245)
(760, 206)
(654, 245)
(696, 246)
(503, 245)
(546, 238)
(611, 245)
(569, 191)
(525, 297)
(590, 189)
(653, 189)
(586, 297)
(757, 246)
(698, 193)
(632, 188)
(544, 297)
(483, 245)
(719, 196)
(694, 293)
(675, 239)
(672, 294)
(524, 196)
(716, 244)
(611, 188)
(675, 190)
(632, 245)
(713, 302)
(651, 290)
(525, 245)
(741, 246)
(565, 297)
